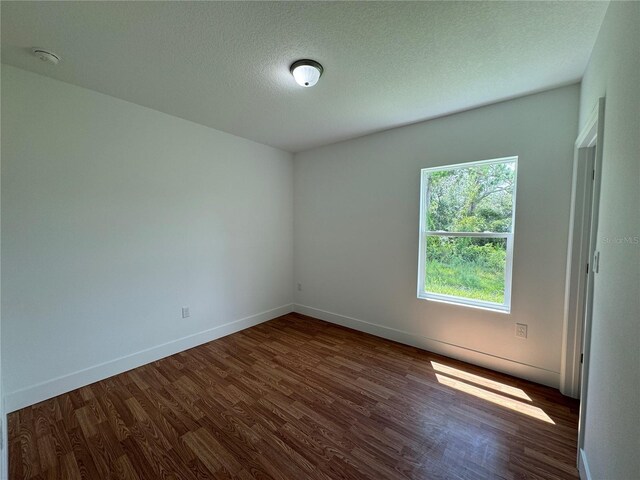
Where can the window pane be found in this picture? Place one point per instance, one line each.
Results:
(472, 199)
(466, 267)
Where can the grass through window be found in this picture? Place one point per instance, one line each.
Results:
(456, 266)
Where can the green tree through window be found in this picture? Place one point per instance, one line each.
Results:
(467, 233)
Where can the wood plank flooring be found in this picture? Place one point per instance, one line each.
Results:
(298, 398)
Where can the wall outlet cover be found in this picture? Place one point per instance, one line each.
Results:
(521, 330)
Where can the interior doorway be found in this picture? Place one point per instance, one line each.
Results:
(582, 263)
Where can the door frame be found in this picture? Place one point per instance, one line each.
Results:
(585, 185)
(582, 262)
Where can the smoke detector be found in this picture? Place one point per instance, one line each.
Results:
(46, 56)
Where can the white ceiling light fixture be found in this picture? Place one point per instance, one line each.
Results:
(306, 72)
(46, 56)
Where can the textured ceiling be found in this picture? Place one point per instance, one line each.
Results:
(226, 64)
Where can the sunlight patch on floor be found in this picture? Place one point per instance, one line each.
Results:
(496, 398)
(485, 382)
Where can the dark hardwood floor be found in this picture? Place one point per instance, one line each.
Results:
(298, 398)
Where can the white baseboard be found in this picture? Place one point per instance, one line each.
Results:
(57, 386)
(511, 367)
(583, 466)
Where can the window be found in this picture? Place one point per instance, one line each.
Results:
(466, 233)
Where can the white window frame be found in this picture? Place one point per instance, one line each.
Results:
(424, 234)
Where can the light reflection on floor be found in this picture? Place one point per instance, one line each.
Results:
(495, 398)
(485, 382)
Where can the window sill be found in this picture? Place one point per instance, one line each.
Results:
(464, 302)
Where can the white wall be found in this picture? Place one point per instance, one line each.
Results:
(114, 216)
(4, 467)
(356, 232)
(612, 427)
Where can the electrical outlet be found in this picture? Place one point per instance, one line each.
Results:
(299, 287)
(521, 330)
(185, 312)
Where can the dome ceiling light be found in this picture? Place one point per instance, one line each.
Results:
(306, 72)
(46, 55)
